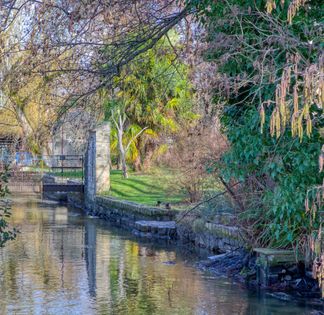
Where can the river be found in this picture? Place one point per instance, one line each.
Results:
(66, 263)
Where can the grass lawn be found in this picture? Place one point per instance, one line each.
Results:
(68, 174)
(148, 188)
(144, 188)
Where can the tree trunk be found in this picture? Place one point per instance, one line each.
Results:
(149, 152)
(122, 153)
(137, 164)
(124, 166)
(138, 161)
(119, 164)
(24, 124)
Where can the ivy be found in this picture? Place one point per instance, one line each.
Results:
(6, 233)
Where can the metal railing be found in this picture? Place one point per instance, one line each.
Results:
(25, 165)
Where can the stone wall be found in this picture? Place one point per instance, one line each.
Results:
(126, 213)
(97, 164)
(214, 236)
(219, 236)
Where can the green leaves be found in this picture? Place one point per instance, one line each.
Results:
(291, 165)
(251, 49)
(154, 92)
(6, 233)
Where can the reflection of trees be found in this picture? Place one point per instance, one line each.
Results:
(71, 259)
(141, 284)
(42, 259)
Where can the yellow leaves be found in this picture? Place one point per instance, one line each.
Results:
(119, 94)
(294, 121)
(295, 99)
(150, 132)
(300, 129)
(314, 202)
(173, 103)
(297, 123)
(275, 123)
(280, 115)
(169, 123)
(321, 161)
(162, 149)
(270, 6)
(296, 92)
(293, 8)
(262, 116)
(309, 126)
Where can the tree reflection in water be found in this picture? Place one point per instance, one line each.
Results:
(64, 263)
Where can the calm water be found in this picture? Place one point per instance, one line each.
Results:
(65, 263)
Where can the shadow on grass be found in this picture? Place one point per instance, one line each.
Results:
(143, 198)
(123, 181)
(142, 189)
(141, 179)
(128, 185)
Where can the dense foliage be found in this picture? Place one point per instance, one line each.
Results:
(154, 93)
(267, 81)
(270, 72)
(6, 233)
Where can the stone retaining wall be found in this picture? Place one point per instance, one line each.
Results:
(122, 212)
(213, 236)
(127, 213)
(219, 236)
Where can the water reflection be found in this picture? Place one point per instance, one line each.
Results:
(90, 245)
(63, 263)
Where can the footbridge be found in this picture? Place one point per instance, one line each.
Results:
(50, 173)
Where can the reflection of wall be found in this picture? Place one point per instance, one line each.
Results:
(90, 242)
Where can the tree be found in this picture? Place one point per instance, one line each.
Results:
(80, 31)
(268, 78)
(192, 154)
(156, 95)
(119, 119)
(61, 44)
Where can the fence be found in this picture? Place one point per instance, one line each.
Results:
(26, 171)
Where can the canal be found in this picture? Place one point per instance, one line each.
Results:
(66, 263)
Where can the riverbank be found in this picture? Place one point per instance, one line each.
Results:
(229, 256)
(83, 265)
(218, 236)
(291, 282)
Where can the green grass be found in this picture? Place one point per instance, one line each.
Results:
(75, 173)
(68, 174)
(144, 188)
(141, 188)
